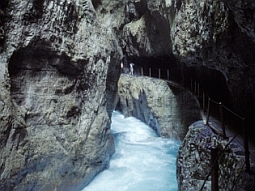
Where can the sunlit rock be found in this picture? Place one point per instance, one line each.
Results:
(168, 110)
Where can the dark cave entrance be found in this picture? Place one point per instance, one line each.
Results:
(211, 81)
(169, 69)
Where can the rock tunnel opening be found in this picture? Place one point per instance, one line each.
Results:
(210, 83)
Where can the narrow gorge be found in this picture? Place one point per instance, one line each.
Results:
(59, 81)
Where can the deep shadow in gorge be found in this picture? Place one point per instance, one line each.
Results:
(214, 84)
(211, 81)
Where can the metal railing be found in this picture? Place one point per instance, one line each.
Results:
(196, 89)
(222, 109)
(243, 129)
(155, 72)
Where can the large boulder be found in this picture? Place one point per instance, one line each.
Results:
(194, 161)
(167, 109)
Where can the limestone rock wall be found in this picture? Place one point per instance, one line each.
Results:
(148, 32)
(142, 26)
(167, 110)
(56, 90)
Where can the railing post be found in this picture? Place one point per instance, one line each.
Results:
(167, 74)
(149, 72)
(203, 101)
(195, 87)
(159, 76)
(191, 85)
(246, 147)
(198, 90)
(222, 120)
(141, 71)
(215, 168)
(208, 111)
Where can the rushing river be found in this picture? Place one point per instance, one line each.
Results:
(142, 160)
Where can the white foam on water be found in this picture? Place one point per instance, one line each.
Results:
(142, 160)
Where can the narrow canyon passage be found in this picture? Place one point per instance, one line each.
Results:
(142, 160)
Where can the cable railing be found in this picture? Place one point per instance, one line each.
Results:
(242, 130)
(222, 109)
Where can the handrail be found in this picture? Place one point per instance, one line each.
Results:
(221, 106)
(245, 136)
(232, 112)
(218, 156)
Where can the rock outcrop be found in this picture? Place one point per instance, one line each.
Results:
(142, 27)
(196, 149)
(168, 110)
(58, 76)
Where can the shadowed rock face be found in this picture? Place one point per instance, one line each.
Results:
(217, 38)
(210, 35)
(56, 92)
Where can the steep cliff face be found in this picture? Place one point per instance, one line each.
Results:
(214, 40)
(210, 41)
(56, 89)
(168, 110)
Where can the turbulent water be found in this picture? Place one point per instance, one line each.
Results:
(142, 161)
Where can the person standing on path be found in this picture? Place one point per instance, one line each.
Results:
(132, 68)
(121, 66)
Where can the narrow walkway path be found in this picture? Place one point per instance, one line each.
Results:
(238, 140)
(230, 134)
